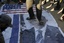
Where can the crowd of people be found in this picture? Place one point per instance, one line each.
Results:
(59, 5)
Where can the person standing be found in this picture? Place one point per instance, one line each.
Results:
(38, 5)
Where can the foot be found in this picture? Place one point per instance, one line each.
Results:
(41, 23)
(61, 19)
(20, 3)
(29, 18)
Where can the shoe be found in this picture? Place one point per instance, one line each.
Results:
(20, 3)
(29, 18)
(41, 23)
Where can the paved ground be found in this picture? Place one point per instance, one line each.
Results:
(56, 16)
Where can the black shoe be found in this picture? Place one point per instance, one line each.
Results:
(29, 18)
(41, 23)
(20, 3)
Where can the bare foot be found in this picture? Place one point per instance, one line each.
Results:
(60, 11)
(52, 9)
(49, 6)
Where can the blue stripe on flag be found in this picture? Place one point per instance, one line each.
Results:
(11, 6)
(15, 29)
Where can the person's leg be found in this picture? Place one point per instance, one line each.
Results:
(20, 2)
(39, 11)
(8, 1)
(29, 4)
(44, 1)
(63, 11)
(58, 5)
(62, 17)
(51, 4)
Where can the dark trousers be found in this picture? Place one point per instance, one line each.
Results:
(8, 1)
(1, 38)
(63, 11)
(37, 3)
